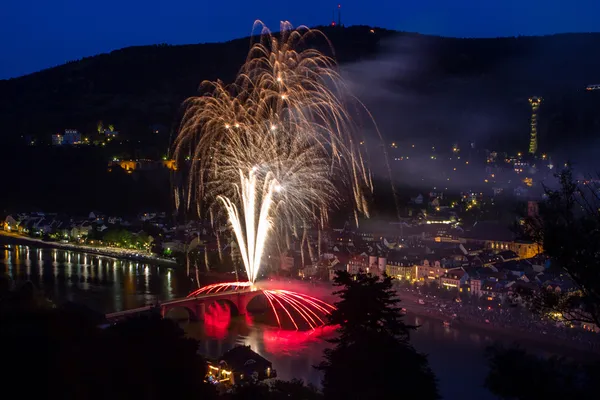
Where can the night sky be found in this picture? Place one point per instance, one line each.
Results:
(37, 34)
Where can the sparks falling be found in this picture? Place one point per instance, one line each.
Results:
(275, 150)
(272, 153)
(298, 308)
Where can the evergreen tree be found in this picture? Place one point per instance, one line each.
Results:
(372, 357)
(568, 229)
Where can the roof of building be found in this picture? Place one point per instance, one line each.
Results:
(490, 230)
(473, 247)
(455, 274)
(514, 265)
(240, 357)
(508, 254)
(403, 255)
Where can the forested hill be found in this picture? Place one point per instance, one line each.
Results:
(136, 87)
(139, 87)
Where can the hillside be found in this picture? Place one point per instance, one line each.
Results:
(133, 87)
(436, 79)
(423, 90)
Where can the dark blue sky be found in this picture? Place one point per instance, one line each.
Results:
(37, 34)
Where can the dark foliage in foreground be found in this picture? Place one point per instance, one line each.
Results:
(515, 374)
(61, 352)
(373, 357)
(568, 227)
(278, 390)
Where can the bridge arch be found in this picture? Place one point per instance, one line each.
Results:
(196, 307)
(179, 313)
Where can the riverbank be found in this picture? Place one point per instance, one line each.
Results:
(507, 333)
(125, 254)
(551, 343)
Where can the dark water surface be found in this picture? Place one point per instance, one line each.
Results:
(107, 285)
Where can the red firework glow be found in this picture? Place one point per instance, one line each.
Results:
(220, 287)
(289, 342)
(298, 308)
(217, 319)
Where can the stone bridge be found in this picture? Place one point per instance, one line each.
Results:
(196, 306)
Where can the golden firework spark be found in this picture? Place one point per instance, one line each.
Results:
(273, 148)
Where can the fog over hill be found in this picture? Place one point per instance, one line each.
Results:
(421, 90)
(440, 91)
(418, 87)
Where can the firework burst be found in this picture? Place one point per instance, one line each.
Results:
(272, 150)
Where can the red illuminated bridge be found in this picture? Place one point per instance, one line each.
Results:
(298, 308)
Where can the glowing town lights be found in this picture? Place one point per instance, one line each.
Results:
(227, 126)
(273, 127)
(278, 79)
(284, 96)
(237, 125)
(278, 188)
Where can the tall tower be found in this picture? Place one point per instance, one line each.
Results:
(533, 138)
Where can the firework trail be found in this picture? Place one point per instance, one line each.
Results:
(298, 308)
(275, 150)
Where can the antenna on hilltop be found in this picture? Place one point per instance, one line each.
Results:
(339, 15)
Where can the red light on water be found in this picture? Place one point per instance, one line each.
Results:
(279, 341)
(302, 310)
(216, 320)
(298, 309)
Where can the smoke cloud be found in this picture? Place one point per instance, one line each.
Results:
(427, 94)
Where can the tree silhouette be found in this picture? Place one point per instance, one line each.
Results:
(295, 389)
(145, 358)
(568, 227)
(515, 374)
(372, 356)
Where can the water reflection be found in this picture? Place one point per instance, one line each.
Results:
(102, 283)
(109, 285)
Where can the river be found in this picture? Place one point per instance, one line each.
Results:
(106, 284)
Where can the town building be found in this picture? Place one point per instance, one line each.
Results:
(431, 270)
(494, 236)
(454, 279)
(475, 285)
(401, 265)
(142, 165)
(57, 139)
(238, 365)
(286, 261)
(70, 137)
(358, 263)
